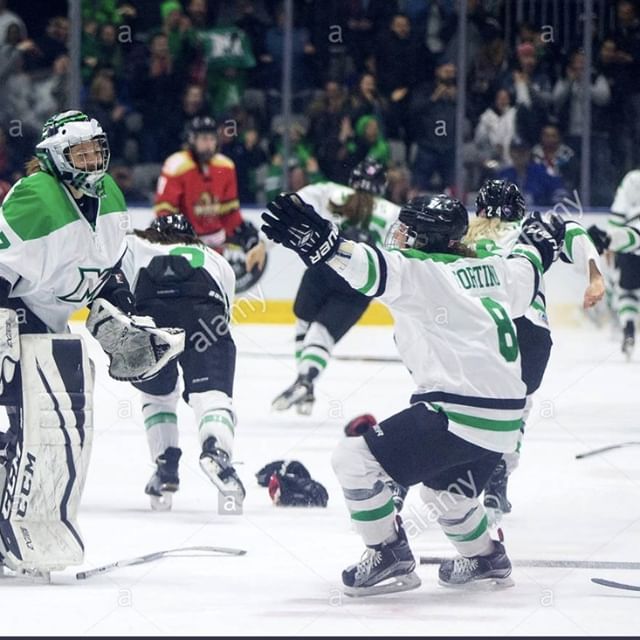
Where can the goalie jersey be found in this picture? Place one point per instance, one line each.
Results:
(54, 259)
(454, 332)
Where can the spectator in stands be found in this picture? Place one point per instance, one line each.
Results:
(256, 30)
(302, 63)
(496, 128)
(485, 73)
(538, 187)
(14, 48)
(181, 37)
(399, 59)
(326, 114)
(366, 101)
(53, 44)
(532, 90)
(368, 143)
(10, 160)
(567, 98)
(156, 87)
(123, 175)
(627, 59)
(198, 14)
(248, 155)
(8, 18)
(557, 158)
(433, 114)
(108, 50)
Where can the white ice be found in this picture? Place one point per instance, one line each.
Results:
(289, 581)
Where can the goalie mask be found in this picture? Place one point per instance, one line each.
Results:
(74, 148)
(428, 224)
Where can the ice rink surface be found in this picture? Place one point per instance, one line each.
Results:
(289, 581)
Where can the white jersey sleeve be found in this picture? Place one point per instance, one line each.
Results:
(320, 194)
(626, 204)
(578, 248)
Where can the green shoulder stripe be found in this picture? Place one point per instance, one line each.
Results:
(435, 257)
(37, 206)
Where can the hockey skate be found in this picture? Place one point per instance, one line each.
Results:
(490, 571)
(299, 394)
(217, 467)
(391, 564)
(628, 339)
(495, 494)
(164, 482)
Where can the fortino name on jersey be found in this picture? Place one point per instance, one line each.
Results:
(483, 275)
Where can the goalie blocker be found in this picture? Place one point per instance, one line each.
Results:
(47, 456)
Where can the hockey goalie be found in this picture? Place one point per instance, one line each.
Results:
(62, 238)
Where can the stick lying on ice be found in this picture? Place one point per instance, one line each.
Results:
(150, 557)
(555, 564)
(611, 447)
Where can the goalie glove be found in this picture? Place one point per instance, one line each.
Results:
(288, 490)
(9, 347)
(297, 226)
(546, 235)
(137, 349)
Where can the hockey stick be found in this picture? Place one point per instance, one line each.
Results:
(150, 557)
(344, 358)
(595, 452)
(615, 585)
(554, 564)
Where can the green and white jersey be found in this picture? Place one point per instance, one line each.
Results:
(624, 220)
(578, 250)
(55, 260)
(140, 252)
(321, 194)
(454, 332)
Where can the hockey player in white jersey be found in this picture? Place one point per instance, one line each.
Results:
(622, 237)
(326, 307)
(467, 408)
(62, 234)
(180, 282)
(500, 214)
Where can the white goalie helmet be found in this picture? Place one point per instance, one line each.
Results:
(66, 151)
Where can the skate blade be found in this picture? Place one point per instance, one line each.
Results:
(162, 502)
(304, 409)
(231, 488)
(485, 584)
(395, 584)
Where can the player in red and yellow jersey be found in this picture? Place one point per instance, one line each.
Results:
(202, 185)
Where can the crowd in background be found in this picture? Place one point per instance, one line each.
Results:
(370, 78)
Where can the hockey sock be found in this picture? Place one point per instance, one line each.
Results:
(215, 417)
(160, 421)
(627, 306)
(463, 520)
(301, 331)
(368, 498)
(316, 349)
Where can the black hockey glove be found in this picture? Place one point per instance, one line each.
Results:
(600, 238)
(290, 467)
(547, 236)
(288, 490)
(297, 226)
(245, 235)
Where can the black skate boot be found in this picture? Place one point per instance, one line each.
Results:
(391, 563)
(629, 338)
(164, 482)
(492, 570)
(495, 494)
(299, 394)
(217, 467)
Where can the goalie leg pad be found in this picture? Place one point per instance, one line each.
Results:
(46, 472)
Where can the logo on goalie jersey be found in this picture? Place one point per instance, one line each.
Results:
(91, 280)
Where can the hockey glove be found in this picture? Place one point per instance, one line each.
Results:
(245, 235)
(600, 238)
(547, 236)
(290, 467)
(9, 347)
(297, 226)
(137, 349)
(288, 490)
(359, 425)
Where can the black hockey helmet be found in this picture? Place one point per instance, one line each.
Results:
(428, 223)
(369, 176)
(173, 224)
(500, 199)
(201, 124)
